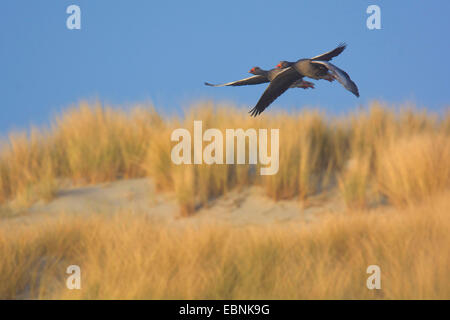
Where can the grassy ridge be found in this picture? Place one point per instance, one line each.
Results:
(373, 156)
(129, 257)
(370, 155)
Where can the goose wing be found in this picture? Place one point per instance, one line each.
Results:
(331, 54)
(258, 79)
(277, 87)
(341, 76)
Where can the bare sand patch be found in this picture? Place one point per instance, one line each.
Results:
(242, 206)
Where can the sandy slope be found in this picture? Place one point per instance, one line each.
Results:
(240, 207)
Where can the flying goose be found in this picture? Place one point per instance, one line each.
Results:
(293, 71)
(262, 76)
(327, 56)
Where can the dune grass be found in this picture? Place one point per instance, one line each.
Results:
(127, 256)
(359, 153)
(414, 168)
(390, 167)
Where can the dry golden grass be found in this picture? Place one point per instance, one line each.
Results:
(361, 153)
(129, 257)
(373, 156)
(27, 168)
(354, 182)
(87, 144)
(96, 144)
(414, 168)
(305, 156)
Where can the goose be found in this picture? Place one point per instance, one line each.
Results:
(271, 74)
(327, 56)
(315, 68)
(262, 76)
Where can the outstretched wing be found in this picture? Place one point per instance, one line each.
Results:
(258, 79)
(277, 87)
(331, 54)
(341, 76)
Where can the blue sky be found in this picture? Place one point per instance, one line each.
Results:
(162, 51)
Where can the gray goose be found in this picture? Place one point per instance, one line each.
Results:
(315, 68)
(271, 74)
(262, 76)
(322, 72)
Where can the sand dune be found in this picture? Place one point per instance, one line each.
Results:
(99, 190)
(247, 206)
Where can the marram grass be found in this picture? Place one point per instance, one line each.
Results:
(401, 155)
(127, 256)
(391, 169)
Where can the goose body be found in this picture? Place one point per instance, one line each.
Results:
(290, 75)
(317, 68)
(262, 76)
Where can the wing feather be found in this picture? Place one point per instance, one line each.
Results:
(277, 87)
(331, 54)
(341, 76)
(257, 79)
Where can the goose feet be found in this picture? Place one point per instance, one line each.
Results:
(306, 85)
(329, 77)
